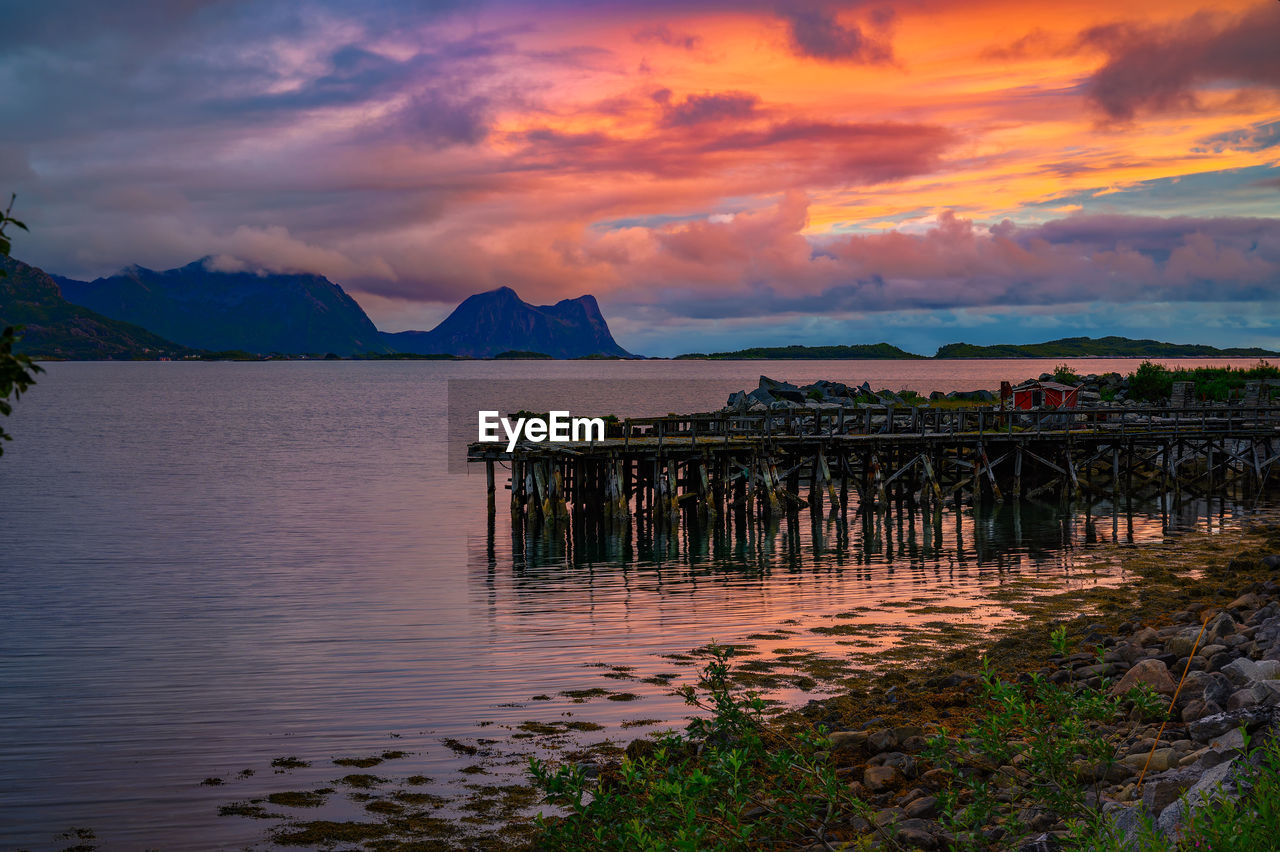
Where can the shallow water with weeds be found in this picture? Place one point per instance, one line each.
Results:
(254, 590)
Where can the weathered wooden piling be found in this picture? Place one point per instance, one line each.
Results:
(775, 463)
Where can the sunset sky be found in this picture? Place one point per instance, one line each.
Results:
(717, 174)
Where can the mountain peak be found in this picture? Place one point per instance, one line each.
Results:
(218, 303)
(497, 294)
(499, 320)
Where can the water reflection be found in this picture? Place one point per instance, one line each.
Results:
(999, 536)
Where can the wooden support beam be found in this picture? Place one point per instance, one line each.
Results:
(991, 477)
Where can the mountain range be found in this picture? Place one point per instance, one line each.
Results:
(198, 309)
(203, 308)
(55, 328)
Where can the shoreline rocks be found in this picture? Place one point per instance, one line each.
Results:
(1231, 689)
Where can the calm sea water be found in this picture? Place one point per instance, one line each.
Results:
(208, 566)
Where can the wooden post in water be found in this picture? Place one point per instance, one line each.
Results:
(1115, 472)
(517, 486)
(490, 487)
(844, 477)
(1017, 474)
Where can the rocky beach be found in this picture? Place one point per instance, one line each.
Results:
(1120, 714)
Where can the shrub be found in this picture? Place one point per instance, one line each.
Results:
(727, 782)
(1063, 374)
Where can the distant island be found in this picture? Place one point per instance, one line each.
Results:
(1067, 347)
(1099, 347)
(857, 351)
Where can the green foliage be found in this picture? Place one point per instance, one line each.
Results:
(1151, 382)
(1032, 748)
(1058, 639)
(728, 782)
(16, 370)
(1063, 374)
(16, 375)
(1154, 382)
(5, 221)
(1150, 705)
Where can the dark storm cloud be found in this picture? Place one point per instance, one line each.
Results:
(795, 152)
(1162, 68)
(815, 32)
(699, 109)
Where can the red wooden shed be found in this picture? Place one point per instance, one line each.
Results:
(1030, 395)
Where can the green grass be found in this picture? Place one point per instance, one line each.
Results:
(728, 782)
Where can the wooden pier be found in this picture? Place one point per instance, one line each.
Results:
(778, 462)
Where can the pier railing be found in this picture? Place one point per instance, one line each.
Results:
(1223, 419)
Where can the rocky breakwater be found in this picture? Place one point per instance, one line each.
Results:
(773, 394)
(1084, 740)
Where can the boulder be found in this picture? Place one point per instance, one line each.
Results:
(847, 739)
(1242, 699)
(1207, 687)
(1221, 626)
(883, 740)
(1267, 692)
(1208, 651)
(904, 763)
(1151, 672)
(1145, 636)
(1242, 671)
(1250, 718)
(1246, 601)
(1198, 708)
(1232, 740)
(1181, 644)
(1160, 792)
(774, 384)
(881, 778)
(925, 807)
(887, 816)
(1203, 790)
(915, 837)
